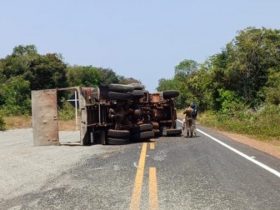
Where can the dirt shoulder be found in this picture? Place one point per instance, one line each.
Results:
(271, 147)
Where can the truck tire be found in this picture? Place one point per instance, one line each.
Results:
(147, 135)
(117, 141)
(170, 94)
(119, 96)
(157, 132)
(103, 137)
(138, 93)
(118, 133)
(165, 121)
(135, 137)
(145, 127)
(155, 125)
(173, 132)
(137, 86)
(86, 140)
(120, 88)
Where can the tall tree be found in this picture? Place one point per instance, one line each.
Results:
(108, 76)
(249, 57)
(41, 71)
(83, 76)
(185, 68)
(47, 71)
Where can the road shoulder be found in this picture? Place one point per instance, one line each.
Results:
(272, 149)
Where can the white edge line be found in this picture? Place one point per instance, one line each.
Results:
(271, 170)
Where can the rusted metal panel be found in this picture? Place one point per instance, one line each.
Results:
(155, 98)
(44, 117)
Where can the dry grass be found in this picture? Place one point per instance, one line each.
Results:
(180, 114)
(67, 125)
(16, 122)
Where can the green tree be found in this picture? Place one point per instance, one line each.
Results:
(247, 61)
(181, 82)
(83, 76)
(42, 71)
(15, 96)
(185, 68)
(167, 84)
(47, 71)
(272, 88)
(108, 76)
(22, 50)
(18, 63)
(174, 84)
(25, 70)
(128, 80)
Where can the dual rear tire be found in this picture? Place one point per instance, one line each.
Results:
(118, 137)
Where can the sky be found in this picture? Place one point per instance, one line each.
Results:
(141, 39)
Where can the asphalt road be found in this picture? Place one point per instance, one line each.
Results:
(171, 173)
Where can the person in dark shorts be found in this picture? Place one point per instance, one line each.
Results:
(188, 119)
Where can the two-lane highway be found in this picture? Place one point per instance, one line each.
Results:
(169, 173)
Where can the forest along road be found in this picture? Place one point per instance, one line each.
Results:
(208, 171)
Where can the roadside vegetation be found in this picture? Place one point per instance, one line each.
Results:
(17, 121)
(2, 124)
(262, 124)
(25, 70)
(237, 89)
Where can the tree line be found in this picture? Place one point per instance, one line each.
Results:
(246, 72)
(239, 86)
(25, 70)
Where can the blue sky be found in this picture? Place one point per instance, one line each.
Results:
(141, 39)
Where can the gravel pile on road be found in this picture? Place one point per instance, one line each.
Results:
(25, 168)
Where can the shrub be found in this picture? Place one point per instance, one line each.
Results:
(2, 124)
(15, 96)
(66, 111)
(263, 123)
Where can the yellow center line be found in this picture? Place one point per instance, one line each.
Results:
(152, 145)
(136, 195)
(153, 194)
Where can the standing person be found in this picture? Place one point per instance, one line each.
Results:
(194, 115)
(188, 119)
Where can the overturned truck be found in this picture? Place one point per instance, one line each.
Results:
(115, 117)
(113, 114)
(164, 116)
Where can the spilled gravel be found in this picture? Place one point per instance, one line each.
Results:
(25, 168)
